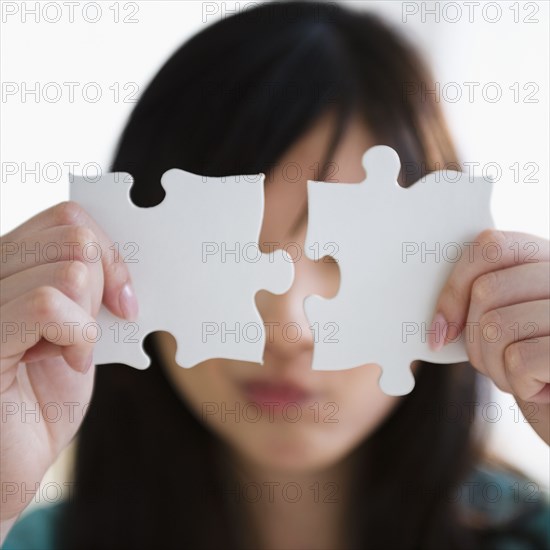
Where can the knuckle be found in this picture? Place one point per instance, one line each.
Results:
(45, 301)
(67, 213)
(485, 287)
(514, 359)
(492, 317)
(72, 277)
(490, 324)
(452, 292)
(491, 236)
(116, 272)
(81, 237)
(502, 386)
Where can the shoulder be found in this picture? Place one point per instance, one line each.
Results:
(36, 529)
(512, 511)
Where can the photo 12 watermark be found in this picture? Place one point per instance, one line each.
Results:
(470, 12)
(70, 12)
(252, 412)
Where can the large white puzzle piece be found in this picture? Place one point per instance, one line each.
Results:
(395, 248)
(195, 265)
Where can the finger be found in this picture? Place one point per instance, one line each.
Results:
(506, 287)
(46, 313)
(118, 293)
(497, 289)
(492, 250)
(502, 327)
(70, 277)
(527, 365)
(40, 351)
(66, 243)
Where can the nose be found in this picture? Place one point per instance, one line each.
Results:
(289, 335)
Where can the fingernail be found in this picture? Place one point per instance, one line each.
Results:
(88, 364)
(437, 332)
(128, 302)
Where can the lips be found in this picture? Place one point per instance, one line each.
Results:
(275, 393)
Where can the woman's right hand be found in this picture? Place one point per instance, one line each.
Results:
(52, 284)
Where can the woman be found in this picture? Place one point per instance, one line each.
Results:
(166, 457)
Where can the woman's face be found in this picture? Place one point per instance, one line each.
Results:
(282, 415)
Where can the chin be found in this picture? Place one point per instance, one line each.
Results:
(300, 450)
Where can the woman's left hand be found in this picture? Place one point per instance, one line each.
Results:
(498, 295)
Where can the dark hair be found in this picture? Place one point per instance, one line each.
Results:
(231, 100)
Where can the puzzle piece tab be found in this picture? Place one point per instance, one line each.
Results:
(395, 248)
(195, 264)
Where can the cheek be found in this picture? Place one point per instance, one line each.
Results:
(204, 388)
(362, 406)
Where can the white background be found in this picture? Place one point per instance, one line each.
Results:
(491, 45)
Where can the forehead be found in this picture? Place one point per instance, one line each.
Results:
(286, 181)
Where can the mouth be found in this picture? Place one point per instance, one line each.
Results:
(275, 394)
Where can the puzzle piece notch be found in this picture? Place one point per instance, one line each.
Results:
(371, 222)
(183, 284)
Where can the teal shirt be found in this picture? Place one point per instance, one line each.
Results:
(37, 530)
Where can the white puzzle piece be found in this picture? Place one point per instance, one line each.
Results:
(389, 281)
(195, 264)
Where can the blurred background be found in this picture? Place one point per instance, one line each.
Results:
(71, 73)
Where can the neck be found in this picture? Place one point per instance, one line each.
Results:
(292, 511)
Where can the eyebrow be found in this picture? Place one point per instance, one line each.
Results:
(342, 122)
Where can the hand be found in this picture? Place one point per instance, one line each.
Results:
(51, 286)
(498, 295)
